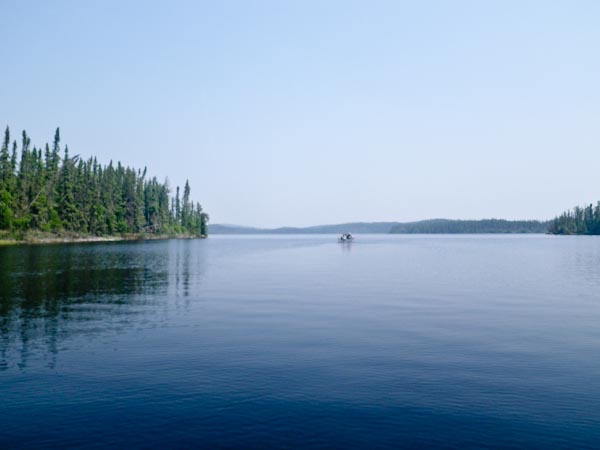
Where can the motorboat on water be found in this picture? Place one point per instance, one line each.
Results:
(346, 237)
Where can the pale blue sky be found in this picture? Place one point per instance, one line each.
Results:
(312, 112)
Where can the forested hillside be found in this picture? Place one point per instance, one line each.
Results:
(353, 227)
(50, 190)
(580, 220)
(442, 226)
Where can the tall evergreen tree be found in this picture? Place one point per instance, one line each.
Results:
(42, 191)
(579, 220)
(6, 194)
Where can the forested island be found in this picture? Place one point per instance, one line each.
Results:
(579, 220)
(46, 193)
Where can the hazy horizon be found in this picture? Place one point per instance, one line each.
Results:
(301, 114)
(371, 221)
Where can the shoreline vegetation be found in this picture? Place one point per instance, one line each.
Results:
(35, 238)
(47, 195)
(484, 226)
(581, 220)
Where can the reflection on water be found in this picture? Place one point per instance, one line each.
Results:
(53, 292)
(582, 264)
(302, 342)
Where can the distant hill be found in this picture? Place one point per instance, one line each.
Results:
(446, 226)
(357, 227)
(216, 228)
(434, 226)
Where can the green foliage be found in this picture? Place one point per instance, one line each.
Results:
(7, 216)
(44, 192)
(580, 220)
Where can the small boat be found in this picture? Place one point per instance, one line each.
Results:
(346, 237)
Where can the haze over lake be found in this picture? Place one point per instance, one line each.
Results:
(302, 224)
(283, 113)
(301, 342)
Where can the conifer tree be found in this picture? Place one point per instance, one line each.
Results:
(579, 220)
(42, 191)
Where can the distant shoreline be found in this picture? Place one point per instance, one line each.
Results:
(431, 226)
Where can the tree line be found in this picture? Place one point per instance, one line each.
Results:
(50, 190)
(579, 220)
(447, 226)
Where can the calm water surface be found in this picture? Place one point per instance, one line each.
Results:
(302, 342)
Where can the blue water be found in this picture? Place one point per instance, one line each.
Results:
(302, 342)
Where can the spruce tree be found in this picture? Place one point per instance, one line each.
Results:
(42, 191)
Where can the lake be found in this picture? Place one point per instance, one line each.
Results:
(456, 341)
